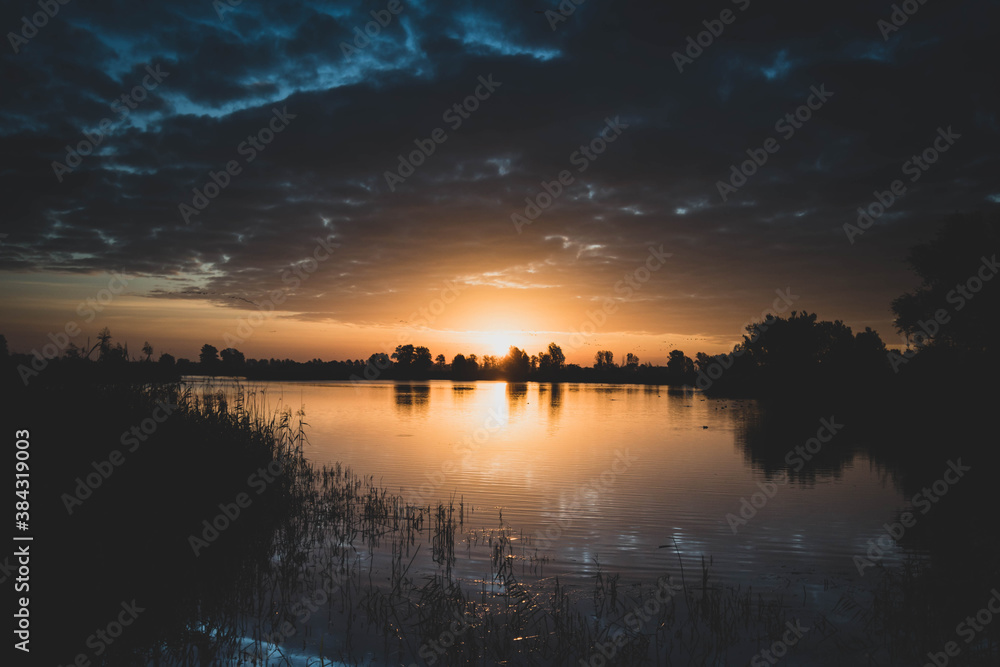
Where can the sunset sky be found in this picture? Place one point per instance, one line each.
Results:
(309, 118)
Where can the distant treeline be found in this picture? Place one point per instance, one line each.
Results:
(950, 325)
(409, 362)
(778, 354)
(774, 350)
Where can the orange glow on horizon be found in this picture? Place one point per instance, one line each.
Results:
(482, 321)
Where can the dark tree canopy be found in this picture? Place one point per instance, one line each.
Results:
(516, 364)
(209, 355)
(956, 304)
(232, 358)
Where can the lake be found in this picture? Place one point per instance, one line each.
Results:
(611, 473)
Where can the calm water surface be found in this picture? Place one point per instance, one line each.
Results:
(610, 473)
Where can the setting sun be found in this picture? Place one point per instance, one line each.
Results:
(496, 343)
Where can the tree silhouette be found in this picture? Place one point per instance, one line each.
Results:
(379, 360)
(147, 349)
(376, 365)
(422, 360)
(631, 362)
(680, 368)
(954, 306)
(403, 356)
(232, 359)
(796, 355)
(412, 361)
(702, 362)
(869, 350)
(556, 357)
(459, 367)
(604, 360)
(551, 361)
(103, 345)
(516, 364)
(209, 355)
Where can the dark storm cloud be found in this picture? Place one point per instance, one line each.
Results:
(354, 114)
